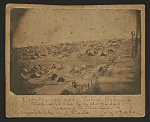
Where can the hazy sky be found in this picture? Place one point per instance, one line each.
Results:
(46, 26)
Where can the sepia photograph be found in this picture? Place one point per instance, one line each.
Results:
(75, 52)
(93, 54)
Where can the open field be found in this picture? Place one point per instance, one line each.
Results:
(88, 67)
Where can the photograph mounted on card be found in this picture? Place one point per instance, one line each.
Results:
(75, 61)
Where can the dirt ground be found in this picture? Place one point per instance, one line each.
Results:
(94, 67)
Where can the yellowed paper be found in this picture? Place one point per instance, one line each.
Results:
(75, 61)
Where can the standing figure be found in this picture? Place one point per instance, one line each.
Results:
(133, 35)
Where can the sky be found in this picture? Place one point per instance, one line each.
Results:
(34, 27)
